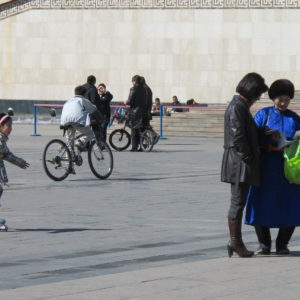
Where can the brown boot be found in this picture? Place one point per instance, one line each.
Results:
(236, 243)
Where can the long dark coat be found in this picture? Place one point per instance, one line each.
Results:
(138, 98)
(241, 158)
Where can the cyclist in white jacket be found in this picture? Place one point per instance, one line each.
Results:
(76, 116)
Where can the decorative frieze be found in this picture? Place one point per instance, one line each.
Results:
(18, 6)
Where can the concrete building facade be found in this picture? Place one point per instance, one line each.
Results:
(192, 49)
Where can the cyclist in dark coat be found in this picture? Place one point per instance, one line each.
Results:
(137, 101)
(241, 158)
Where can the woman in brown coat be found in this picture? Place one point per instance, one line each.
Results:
(241, 158)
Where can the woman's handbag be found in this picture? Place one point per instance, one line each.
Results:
(135, 118)
(292, 162)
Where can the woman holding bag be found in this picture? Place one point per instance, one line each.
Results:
(276, 202)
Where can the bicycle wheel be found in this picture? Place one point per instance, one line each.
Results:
(147, 140)
(120, 139)
(100, 159)
(57, 160)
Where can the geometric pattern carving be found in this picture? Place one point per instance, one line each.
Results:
(18, 6)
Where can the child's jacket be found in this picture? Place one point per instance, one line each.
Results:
(5, 154)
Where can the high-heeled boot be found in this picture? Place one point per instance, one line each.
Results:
(264, 237)
(282, 240)
(236, 243)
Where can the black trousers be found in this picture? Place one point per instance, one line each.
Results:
(238, 199)
(135, 138)
(104, 126)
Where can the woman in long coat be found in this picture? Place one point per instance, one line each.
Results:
(241, 158)
(276, 202)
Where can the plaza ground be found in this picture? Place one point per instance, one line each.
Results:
(156, 229)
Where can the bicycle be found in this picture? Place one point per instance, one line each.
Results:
(120, 139)
(58, 157)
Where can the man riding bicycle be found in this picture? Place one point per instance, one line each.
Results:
(77, 114)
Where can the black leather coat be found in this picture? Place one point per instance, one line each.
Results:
(92, 94)
(241, 158)
(104, 104)
(138, 98)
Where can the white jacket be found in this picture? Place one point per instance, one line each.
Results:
(76, 110)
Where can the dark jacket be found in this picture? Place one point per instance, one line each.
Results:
(149, 98)
(138, 98)
(241, 158)
(92, 94)
(176, 109)
(104, 104)
(147, 114)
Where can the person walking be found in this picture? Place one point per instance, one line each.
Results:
(137, 101)
(275, 203)
(241, 158)
(6, 154)
(104, 107)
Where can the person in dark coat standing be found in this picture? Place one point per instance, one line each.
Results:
(147, 116)
(91, 91)
(92, 95)
(137, 101)
(104, 107)
(241, 158)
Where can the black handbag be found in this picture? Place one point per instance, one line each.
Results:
(135, 118)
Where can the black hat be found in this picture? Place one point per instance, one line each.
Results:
(281, 87)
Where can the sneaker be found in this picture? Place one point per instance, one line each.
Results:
(2, 221)
(72, 170)
(284, 250)
(80, 145)
(263, 250)
(3, 227)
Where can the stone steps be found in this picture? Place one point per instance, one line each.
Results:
(207, 122)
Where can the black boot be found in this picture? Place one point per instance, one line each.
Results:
(264, 237)
(236, 243)
(283, 238)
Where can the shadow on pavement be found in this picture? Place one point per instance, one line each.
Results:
(56, 230)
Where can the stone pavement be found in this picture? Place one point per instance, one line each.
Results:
(156, 229)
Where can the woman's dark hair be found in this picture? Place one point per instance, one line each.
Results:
(137, 80)
(80, 90)
(281, 87)
(102, 84)
(251, 86)
(143, 80)
(4, 120)
(191, 102)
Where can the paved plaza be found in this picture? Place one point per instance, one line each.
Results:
(156, 229)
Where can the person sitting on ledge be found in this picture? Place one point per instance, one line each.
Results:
(155, 107)
(175, 102)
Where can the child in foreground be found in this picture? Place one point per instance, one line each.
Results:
(5, 154)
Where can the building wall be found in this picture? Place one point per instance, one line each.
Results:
(191, 53)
